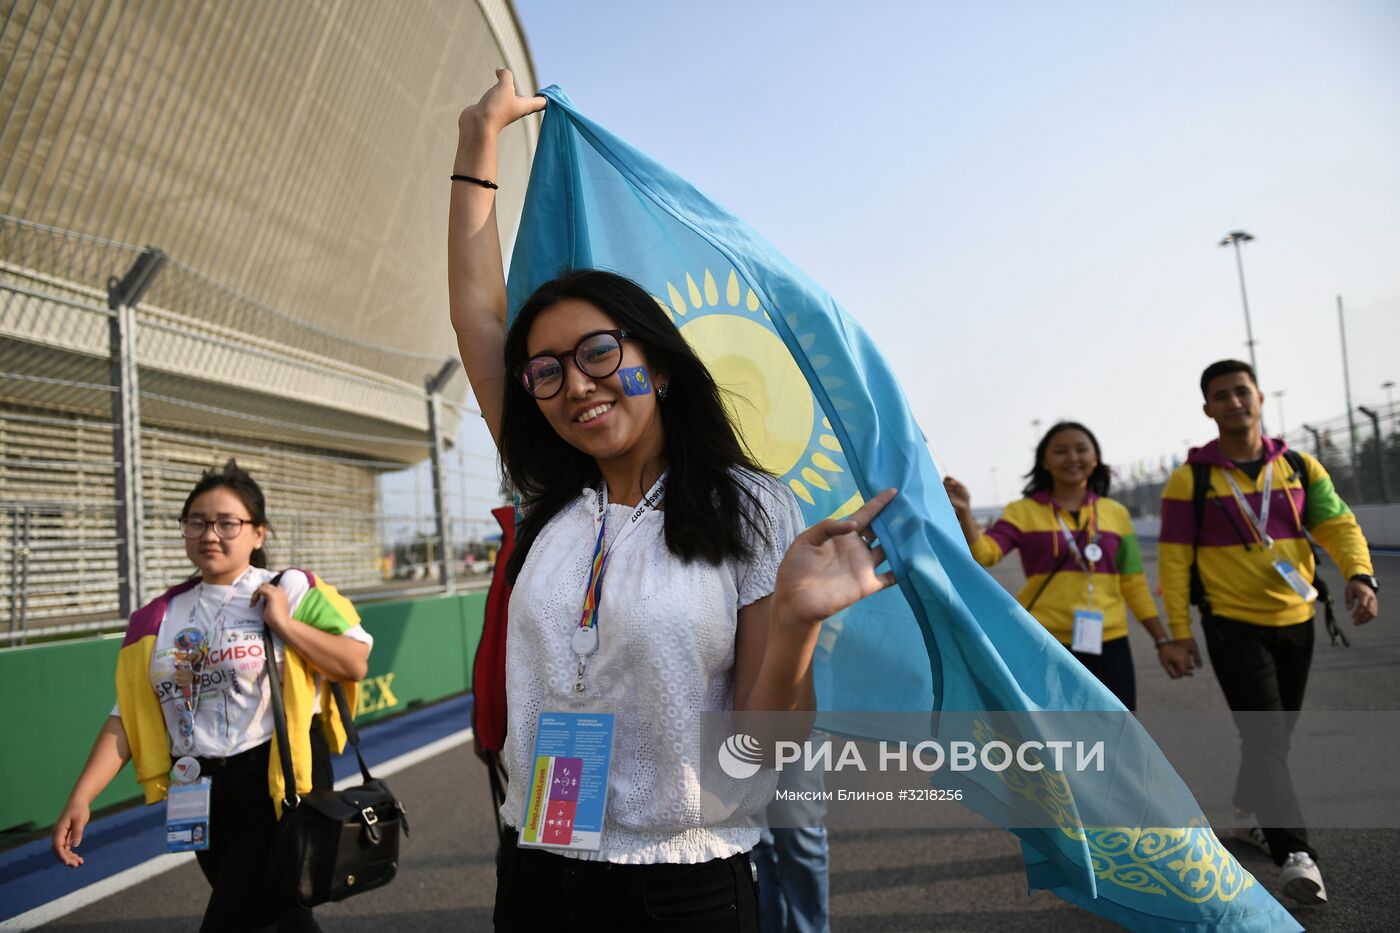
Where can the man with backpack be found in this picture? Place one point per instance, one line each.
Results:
(1236, 521)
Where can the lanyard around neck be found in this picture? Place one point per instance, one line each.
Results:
(1260, 521)
(1092, 552)
(191, 692)
(585, 638)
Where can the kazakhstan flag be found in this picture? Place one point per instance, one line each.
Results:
(820, 408)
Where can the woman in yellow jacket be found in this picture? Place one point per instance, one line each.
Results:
(1080, 555)
(193, 701)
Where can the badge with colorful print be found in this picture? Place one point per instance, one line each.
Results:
(186, 770)
(1093, 552)
(190, 641)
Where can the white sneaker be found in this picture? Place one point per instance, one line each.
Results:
(1301, 880)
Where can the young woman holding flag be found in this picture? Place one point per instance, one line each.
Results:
(659, 574)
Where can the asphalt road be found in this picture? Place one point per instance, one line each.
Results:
(880, 879)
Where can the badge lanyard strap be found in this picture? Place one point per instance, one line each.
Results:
(192, 698)
(1259, 522)
(584, 641)
(1084, 565)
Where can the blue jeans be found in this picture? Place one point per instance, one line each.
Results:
(792, 880)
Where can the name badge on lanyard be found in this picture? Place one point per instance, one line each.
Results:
(1088, 632)
(568, 794)
(1260, 522)
(187, 817)
(1088, 622)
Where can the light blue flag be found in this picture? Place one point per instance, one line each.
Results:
(821, 409)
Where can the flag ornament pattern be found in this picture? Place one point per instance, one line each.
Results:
(819, 408)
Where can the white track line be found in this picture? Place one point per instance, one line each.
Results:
(77, 900)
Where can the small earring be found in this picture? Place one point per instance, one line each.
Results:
(662, 391)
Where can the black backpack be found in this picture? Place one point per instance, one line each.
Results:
(1200, 477)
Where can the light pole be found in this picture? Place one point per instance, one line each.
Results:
(1346, 382)
(1235, 238)
(1390, 399)
(1282, 431)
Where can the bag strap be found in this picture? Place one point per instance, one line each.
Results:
(1200, 485)
(279, 720)
(1034, 599)
(279, 724)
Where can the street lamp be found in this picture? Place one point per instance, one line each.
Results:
(1235, 238)
(1389, 399)
(1282, 431)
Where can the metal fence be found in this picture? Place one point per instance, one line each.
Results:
(117, 362)
(1361, 453)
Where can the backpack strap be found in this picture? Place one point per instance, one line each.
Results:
(1200, 485)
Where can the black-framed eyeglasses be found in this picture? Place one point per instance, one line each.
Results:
(598, 355)
(225, 528)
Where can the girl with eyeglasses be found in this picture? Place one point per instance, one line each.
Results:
(659, 573)
(1081, 558)
(193, 701)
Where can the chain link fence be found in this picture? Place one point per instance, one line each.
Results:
(1361, 453)
(351, 440)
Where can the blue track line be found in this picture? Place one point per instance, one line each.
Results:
(30, 876)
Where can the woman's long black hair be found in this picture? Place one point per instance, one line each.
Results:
(241, 483)
(709, 514)
(1039, 478)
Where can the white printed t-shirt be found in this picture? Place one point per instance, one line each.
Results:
(235, 705)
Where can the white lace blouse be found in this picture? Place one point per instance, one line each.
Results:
(665, 656)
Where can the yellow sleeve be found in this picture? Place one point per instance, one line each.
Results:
(986, 551)
(1332, 523)
(1137, 595)
(1175, 549)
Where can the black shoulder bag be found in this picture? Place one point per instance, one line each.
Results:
(330, 844)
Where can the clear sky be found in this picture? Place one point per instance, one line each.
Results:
(1021, 201)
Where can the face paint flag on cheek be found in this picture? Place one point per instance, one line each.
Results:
(634, 381)
(816, 403)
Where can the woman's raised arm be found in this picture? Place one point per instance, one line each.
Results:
(476, 285)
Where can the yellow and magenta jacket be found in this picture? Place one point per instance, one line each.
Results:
(146, 732)
(1119, 582)
(1236, 569)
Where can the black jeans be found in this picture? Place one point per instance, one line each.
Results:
(1265, 669)
(541, 890)
(242, 823)
(1114, 669)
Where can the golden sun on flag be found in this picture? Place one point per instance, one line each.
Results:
(767, 397)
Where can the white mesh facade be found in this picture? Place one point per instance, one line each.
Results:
(291, 160)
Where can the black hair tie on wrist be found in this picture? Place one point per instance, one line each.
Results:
(476, 181)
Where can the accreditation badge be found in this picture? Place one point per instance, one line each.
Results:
(187, 817)
(1088, 631)
(1295, 579)
(569, 781)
